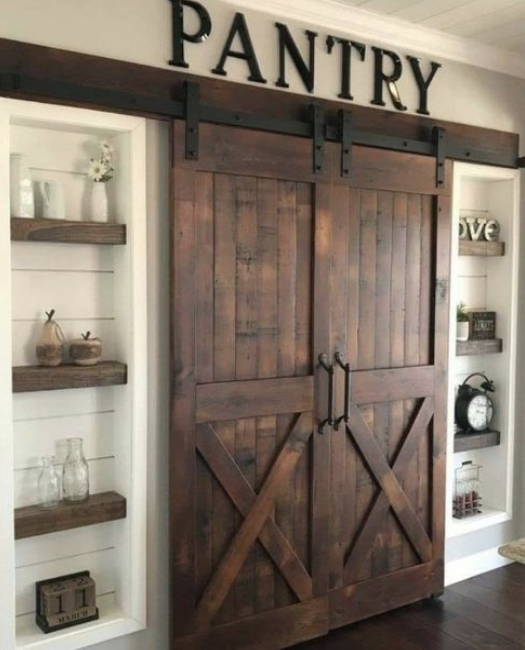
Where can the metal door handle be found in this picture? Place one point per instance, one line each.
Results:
(329, 420)
(340, 360)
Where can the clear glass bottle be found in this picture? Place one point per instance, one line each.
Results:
(75, 477)
(48, 487)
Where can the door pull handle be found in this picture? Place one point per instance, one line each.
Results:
(339, 359)
(329, 420)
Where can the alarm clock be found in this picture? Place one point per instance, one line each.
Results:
(474, 408)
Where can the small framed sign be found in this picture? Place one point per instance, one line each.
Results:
(65, 601)
(482, 325)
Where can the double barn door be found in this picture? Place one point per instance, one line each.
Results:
(306, 492)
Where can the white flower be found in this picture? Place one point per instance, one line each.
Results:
(96, 170)
(101, 169)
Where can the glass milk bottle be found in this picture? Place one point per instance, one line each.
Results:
(75, 477)
(48, 488)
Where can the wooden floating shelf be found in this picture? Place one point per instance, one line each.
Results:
(98, 508)
(67, 232)
(470, 348)
(481, 248)
(478, 440)
(27, 379)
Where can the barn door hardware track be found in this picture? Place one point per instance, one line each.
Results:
(318, 130)
(345, 125)
(20, 85)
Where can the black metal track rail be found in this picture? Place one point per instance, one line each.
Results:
(16, 83)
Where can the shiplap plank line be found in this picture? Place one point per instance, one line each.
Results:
(417, 12)
(32, 551)
(36, 438)
(464, 13)
(72, 295)
(492, 28)
(101, 564)
(26, 480)
(385, 6)
(42, 255)
(29, 406)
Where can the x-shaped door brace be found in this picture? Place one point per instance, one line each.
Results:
(392, 494)
(258, 520)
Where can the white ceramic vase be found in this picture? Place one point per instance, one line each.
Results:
(99, 203)
(21, 188)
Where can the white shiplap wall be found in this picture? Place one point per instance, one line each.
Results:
(96, 288)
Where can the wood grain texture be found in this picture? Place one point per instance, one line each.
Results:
(481, 248)
(300, 269)
(372, 597)
(38, 378)
(469, 348)
(258, 397)
(483, 612)
(468, 441)
(98, 508)
(231, 563)
(241, 493)
(103, 73)
(67, 232)
(279, 628)
(182, 407)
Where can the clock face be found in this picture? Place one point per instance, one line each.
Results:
(480, 412)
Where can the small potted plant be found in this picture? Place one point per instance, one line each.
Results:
(462, 323)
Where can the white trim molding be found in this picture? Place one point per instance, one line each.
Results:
(474, 565)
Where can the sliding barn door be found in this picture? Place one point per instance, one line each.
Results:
(389, 279)
(282, 528)
(249, 469)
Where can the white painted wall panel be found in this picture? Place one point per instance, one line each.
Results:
(100, 564)
(72, 294)
(36, 438)
(50, 404)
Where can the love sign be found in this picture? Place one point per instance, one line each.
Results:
(478, 229)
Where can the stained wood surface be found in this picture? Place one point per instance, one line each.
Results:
(277, 513)
(243, 395)
(469, 348)
(483, 612)
(468, 441)
(37, 378)
(257, 397)
(98, 72)
(481, 248)
(67, 232)
(98, 508)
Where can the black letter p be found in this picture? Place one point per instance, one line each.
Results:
(179, 35)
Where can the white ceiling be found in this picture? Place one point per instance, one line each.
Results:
(499, 23)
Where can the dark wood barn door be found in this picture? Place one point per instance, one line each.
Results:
(249, 484)
(390, 259)
(279, 531)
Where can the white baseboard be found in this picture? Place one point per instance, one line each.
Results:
(473, 565)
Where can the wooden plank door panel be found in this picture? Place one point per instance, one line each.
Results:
(279, 532)
(244, 541)
(386, 522)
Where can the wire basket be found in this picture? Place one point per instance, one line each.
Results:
(467, 491)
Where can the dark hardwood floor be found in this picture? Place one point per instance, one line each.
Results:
(485, 612)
